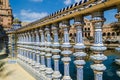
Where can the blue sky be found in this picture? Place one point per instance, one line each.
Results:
(31, 10)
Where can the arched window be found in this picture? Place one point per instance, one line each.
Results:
(70, 34)
(88, 29)
(104, 34)
(85, 34)
(89, 34)
(74, 34)
(113, 33)
(118, 33)
(108, 34)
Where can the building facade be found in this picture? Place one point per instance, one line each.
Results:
(88, 33)
(109, 34)
(6, 16)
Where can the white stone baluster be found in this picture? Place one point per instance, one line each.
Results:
(66, 52)
(98, 47)
(48, 55)
(56, 74)
(79, 47)
(42, 54)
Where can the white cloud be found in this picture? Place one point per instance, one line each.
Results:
(37, 0)
(77, 0)
(67, 2)
(29, 16)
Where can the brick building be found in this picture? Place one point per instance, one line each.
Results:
(6, 16)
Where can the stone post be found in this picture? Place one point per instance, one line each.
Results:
(37, 64)
(42, 54)
(79, 47)
(98, 47)
(29, 39)
(33, 49)
(66, 52)
(30, 60)
(48, 55)
(56, 74)
(27, 56)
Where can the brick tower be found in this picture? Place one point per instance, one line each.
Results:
(6, 16)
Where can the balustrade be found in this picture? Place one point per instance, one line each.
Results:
(36, 49)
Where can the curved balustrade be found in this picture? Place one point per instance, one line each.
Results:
(40, 51)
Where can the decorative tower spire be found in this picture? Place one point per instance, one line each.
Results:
(5, 14)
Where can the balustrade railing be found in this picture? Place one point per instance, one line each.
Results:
(40, 50)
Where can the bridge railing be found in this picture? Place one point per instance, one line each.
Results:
(37, 48)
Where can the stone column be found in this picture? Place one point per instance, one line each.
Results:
(98, 47)
(66, 52)
(32, 39)
(33, 48)
(29, 39)
(118, 48)
(37, 37)
(27, 56)
(79, 47)
(56, 74)
(23, 49)
(48, 55)
(19, 51)
(22, 52)
(25, 41)
(19, 55)
(42, 54)
(30, 47)
(20, 38)
(30, 60)
(33, 58)
(23, 38)
(37, 64)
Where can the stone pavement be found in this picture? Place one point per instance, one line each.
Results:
(15, 72)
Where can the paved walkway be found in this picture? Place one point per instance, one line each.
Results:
(14, 72)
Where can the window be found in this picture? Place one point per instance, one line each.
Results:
(113, 34)
(88, 34)
(118, 33)
(108, 34)
(104, 34)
